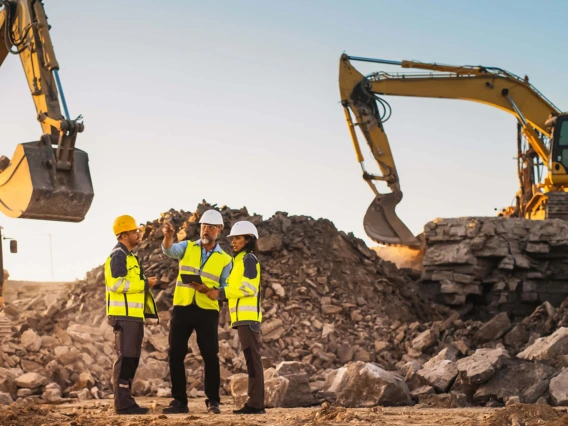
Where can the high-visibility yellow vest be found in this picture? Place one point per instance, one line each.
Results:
(243, 293)
(210, 274)
(126, 296)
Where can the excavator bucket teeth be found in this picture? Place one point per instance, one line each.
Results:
(31, 187)
(383, 226)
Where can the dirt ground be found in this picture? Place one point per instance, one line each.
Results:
(100, 413)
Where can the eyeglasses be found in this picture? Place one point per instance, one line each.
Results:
(206, 225)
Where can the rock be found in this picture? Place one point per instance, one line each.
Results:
(517, 337)
(86, 380)
(153, 369)
(141, 387)
(51, 395)
(269, 244)
(31, 341)
(274, 391)
(160, 342)
(516, 378)
(547, 347)
(5, 398)
(272, 330)
(31, 380)
(84, 395)
(449, 254)
(164, 393)
(67, 355)
(425, 340)
(298, 393)
(422, 390)
(512, 400)
(447, 400)
(493, 329)
(365, 385)
(287, 368)
(559, 388)
(482, 365)
(345, 353)
(331, 309)
(239, 389)
(439, 375)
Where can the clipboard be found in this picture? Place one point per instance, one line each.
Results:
(191, 278)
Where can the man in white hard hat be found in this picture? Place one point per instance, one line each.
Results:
(194, 310)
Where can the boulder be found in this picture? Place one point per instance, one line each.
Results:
(153, 369)
(361, 384)
(493, 329)
(526, 380)
(439, 375)
(239, 389)
(5, 398)
(274, 391)
(31, 380)
(559, 388)
(270, 243)
(547, 347)
(482, 365)
(31, 341)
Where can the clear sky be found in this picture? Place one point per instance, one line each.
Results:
(237, 102)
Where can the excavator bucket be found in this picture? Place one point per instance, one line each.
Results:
(31, 186)
(383, 226)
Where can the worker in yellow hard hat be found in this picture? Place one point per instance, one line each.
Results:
(129, 302)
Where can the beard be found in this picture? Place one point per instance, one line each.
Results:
(206, 239)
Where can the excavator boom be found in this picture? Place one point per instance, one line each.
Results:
(487, 85)
(48, 179)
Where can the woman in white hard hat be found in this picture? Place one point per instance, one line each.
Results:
(243, 295)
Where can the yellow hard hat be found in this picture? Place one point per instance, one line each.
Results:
(124, 223)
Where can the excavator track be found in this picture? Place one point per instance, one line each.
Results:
(557, 205)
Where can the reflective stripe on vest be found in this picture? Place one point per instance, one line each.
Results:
(243, 293)
(127, 296)
(210, 273)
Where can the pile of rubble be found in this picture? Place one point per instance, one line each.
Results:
(340, 324)
(510, 265)
(327, 300)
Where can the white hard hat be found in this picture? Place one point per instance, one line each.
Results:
(243, 227)
(212, 217)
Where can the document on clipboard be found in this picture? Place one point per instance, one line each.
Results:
(191, 278)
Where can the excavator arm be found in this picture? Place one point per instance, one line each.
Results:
(48, 179)
(490, 86)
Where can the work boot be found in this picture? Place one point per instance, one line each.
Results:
(249, 410)
(133, 410)
(176, 407)
(212, 406)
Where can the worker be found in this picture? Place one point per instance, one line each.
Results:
(243, 294)
(129, 302)
(195, 311)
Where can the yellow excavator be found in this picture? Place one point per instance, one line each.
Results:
(542, 141)
(48, 179)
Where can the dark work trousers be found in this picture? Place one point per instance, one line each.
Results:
(185, 319)
(128, 337)
(251, 343)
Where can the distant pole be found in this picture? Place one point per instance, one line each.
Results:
(51, 256)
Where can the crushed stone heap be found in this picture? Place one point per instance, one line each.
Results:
(326, 300)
